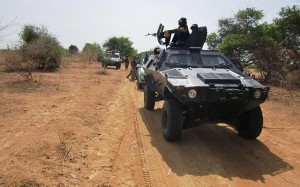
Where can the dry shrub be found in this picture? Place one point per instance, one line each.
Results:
(65, 144)
(293, 79)
(44, 53)
(14, 62)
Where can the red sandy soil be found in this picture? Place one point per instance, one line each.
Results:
(82, 126)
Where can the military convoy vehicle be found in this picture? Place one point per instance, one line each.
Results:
(140, 74)
(110, 59)
(202, 86)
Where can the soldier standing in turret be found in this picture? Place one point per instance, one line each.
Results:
(181, 34)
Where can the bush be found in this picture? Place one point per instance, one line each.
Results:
(14, 62)
(41, 48)
(293, 79)
(44, 52)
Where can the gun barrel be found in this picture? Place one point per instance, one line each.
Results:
(151, 34)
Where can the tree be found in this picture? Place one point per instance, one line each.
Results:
(236, 34)
(288, 35)
(244, 38)
(40, 47)
(121, 44)
(273, 48)
(73, 49)
(91, 51)
(31, 33)
(212, 41)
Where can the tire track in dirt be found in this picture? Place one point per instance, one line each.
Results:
(151, 172)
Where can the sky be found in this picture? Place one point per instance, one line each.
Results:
(88, 21)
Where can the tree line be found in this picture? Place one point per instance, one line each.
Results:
(38, 49)
(273, 48)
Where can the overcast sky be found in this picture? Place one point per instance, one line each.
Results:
(87, 21)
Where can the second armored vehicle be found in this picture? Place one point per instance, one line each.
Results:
(111, 59)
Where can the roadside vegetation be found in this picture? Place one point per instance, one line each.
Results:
(39, 51)
(272, 48)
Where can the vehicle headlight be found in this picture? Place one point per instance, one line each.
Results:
(257, 94)
(192, 93)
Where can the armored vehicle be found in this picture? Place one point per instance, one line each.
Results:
(202, 86)
(141, 73)
(111, 59)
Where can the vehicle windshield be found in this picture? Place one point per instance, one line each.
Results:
(115, 56)
(181, 60)
(215, 62)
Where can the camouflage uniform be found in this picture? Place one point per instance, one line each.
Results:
(132, 73)
(126, 63)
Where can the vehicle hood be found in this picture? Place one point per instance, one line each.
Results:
(206, 77)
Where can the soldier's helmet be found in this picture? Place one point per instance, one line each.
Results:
(194, 27)
(182, 22)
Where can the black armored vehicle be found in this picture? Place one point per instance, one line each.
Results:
(202, 86)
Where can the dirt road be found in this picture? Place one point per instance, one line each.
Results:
(82, 127)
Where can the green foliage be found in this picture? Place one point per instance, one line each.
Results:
(121, 44)
(273, 48)
(248, 19)
(288, 26)
(30, 33)
(212, 41)
(92, 51)
(73, 49)
(40, 47)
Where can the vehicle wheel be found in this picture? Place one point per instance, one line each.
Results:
(139, 85)
(149, 98)
(172, 120)
(250, 123)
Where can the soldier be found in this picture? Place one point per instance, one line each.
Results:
(181, 34)
(126, 63)
(132, 72)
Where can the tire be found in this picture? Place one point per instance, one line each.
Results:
(250, 123)
(172, 120)
(149, 98)
(139, 85)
